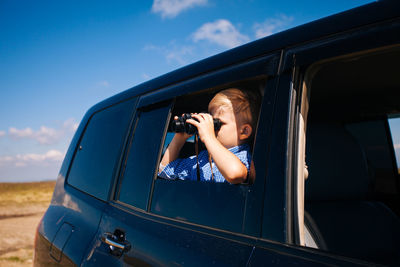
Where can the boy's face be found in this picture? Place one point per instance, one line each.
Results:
(228, 135)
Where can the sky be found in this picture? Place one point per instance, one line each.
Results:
(59, 58)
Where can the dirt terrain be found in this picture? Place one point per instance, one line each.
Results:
(21, 207)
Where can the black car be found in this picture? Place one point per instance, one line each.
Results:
(329, 89)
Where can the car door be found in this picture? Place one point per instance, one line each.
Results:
(147, 238)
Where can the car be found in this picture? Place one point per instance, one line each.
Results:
(326, 187)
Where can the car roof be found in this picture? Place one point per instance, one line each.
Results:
(348, 20)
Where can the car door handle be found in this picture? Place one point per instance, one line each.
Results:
(109, 241)
(116, 242)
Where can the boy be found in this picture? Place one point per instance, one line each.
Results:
(227, 157)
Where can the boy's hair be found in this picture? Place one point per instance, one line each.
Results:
(245, 104)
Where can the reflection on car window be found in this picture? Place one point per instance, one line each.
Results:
(97, 155)
(168, 140)
(394, 124)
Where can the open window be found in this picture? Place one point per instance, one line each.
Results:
(202, 202)
(352, 194)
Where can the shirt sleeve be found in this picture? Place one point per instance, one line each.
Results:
(245, 158)
(244, 155)
(179, 169)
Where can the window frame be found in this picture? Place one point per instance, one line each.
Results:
(119, 182)
(190, 184)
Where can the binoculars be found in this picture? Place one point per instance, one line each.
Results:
(181, 126)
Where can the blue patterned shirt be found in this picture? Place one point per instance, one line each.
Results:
(186, 169)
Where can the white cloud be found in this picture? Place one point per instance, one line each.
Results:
(173, 53)
(220, 32)
(14, 132)
(24, 160)
(45, 135)
(179, 55)
(396, 146)
(172, 8)
(5, 159)
(103, 84)
(272, 25)
(145, 76)
(2, 133)
(70, 125)
(151, 47)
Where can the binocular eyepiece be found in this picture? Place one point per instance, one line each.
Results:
(181, 126)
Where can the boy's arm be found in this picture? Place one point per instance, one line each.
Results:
(230, 166)
(173, 149)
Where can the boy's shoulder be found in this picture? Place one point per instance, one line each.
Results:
(243, 147)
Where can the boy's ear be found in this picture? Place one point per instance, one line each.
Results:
(245, 131)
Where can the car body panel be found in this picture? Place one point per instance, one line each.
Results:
(157, 242)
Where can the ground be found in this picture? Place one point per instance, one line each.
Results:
(21, 207)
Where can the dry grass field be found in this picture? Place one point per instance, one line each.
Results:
(21, 207)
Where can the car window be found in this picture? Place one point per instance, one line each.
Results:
(214, 204)
(97, 154)
(136, 178)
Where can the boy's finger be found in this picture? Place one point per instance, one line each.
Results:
(197, 116)
(207, 116)
(193, 122)
(201, 115)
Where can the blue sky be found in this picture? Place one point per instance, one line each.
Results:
(58, 58)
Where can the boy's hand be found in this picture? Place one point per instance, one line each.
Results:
(173, 149)
(204, 125)
(230, 166)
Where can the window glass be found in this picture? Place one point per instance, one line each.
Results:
(218, 205)
(142, 158)
(394, 124)
(98, 151)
